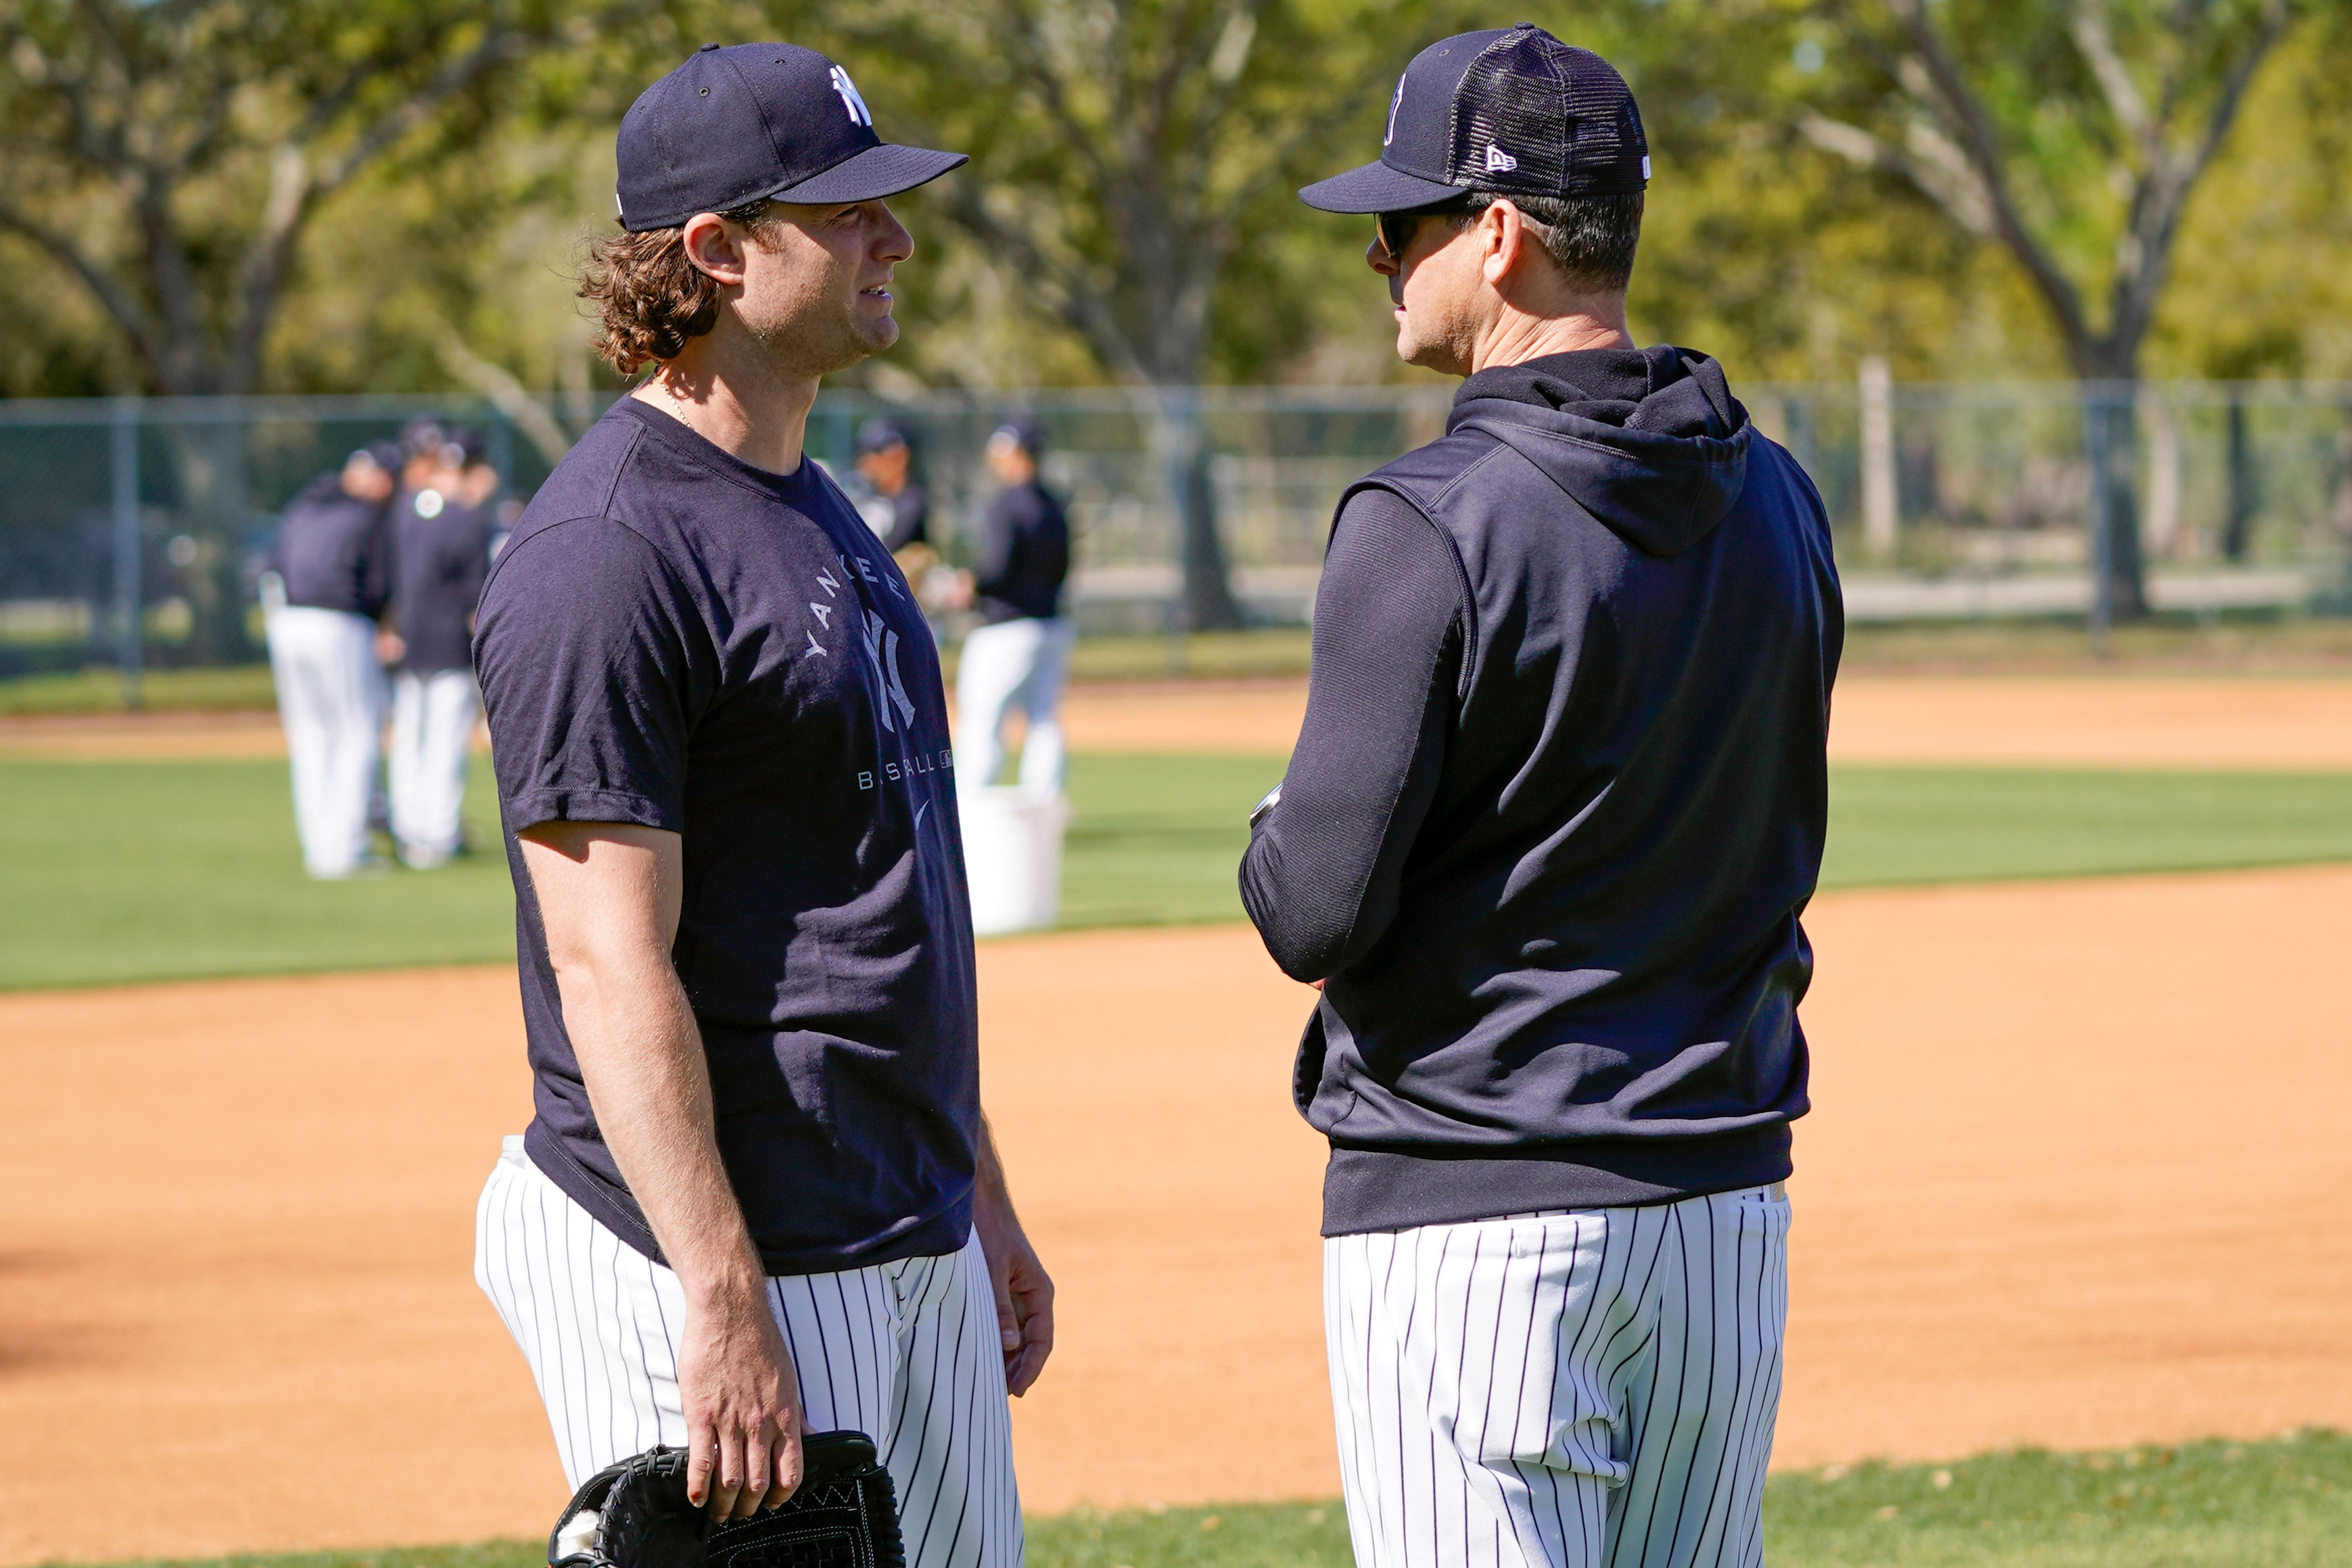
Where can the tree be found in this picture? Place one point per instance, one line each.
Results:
(168, 157)
(1122, 149)
(2073, 133)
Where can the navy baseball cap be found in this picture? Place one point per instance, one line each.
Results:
(738, 124)
(1022, 432)
(880, 436)
(1512, 111)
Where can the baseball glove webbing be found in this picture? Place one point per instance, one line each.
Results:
(634, 1514)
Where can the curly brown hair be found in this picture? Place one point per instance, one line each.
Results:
(649, 297)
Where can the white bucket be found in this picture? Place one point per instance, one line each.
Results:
(1013, 857)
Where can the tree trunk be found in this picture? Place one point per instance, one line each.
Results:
(1181, 446)
(2238, 523)
(2111, 441)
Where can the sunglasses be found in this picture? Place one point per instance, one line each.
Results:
(1395, 230)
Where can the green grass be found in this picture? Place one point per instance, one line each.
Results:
(2281, 1504)
(99, 690)
(1275, 650)
(1157, 841)
(1897, 825)
(137, 870)
(148, 871)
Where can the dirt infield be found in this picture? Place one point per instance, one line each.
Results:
(2023, 721)
(2128, 722)
(2073, 1179)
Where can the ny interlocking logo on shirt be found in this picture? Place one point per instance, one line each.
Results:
(677, 639)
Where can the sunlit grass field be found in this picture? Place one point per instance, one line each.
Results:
(135, 870)
(2286, 1503)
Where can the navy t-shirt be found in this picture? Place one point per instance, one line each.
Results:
(440, 554)
(674, 638)
(331, 551)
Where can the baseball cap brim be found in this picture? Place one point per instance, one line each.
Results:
(870, 175)
(1376, 188)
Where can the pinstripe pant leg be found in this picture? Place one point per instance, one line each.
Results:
(595, 1321)
(1701, 1400)
(906, 1353)
(949, 1443)
(1567, 1389)
(1470, 1431)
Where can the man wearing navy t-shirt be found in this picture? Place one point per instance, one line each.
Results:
(757, 1197)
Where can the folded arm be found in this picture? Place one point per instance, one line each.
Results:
(1324, 865)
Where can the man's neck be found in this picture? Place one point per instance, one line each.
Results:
(1518, 336)
(727, 391)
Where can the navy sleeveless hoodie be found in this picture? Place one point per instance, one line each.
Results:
(1588, 994)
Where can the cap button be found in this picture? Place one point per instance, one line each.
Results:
(706, 48)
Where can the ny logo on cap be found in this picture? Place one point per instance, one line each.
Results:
(1390, 135)
(858, 113)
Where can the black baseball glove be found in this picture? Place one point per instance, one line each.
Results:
(634, 1514)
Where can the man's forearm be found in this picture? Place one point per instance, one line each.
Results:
(989, 1172)
(641, 1054)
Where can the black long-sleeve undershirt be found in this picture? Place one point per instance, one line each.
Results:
(1324, 864)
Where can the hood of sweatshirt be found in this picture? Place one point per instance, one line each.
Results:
(1650, 441)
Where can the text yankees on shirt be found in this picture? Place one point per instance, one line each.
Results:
(896, 709)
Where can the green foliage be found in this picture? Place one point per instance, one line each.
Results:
(1129, 207)
(164, 162)
(2070, 133)
(1132, 161)
(2286, 1503)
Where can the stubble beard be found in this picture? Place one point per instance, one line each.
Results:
(824, 338)
(1428, 343)
(817, 330)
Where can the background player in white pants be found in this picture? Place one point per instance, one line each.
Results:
(1019, 658)
(1556, 803)
(330, 572)
(758, 1196)
(441, 529)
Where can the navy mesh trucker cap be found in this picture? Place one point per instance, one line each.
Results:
(736, 124)
(1511, 110)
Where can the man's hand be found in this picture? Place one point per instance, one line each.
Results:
(1024, 1296)
(608, 894)
(742, 1398)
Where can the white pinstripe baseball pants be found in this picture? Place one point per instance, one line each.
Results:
(1592, 1389)
(907, 1353)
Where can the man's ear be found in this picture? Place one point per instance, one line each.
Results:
(1502, 236)
(715, 248)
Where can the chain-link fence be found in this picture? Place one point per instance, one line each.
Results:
(133, 531)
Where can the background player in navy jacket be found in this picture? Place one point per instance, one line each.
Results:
(1019, 656)
(332, 576)
(757, 1197)
(1556, 806)
(441, 531)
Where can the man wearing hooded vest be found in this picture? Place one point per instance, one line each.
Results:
(1555, 808)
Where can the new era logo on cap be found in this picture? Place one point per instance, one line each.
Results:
(1512, 111)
